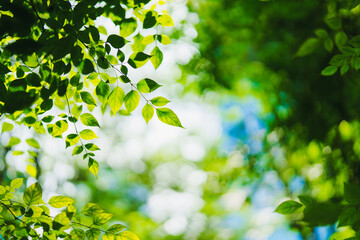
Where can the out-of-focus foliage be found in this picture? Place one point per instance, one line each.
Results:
(301, 59)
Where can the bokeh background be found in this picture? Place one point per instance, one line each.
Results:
(262, 125)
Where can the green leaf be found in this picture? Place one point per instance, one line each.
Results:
(127, 235)
(60, 201)
(33, 143)
(87, 67)
(307, 47)
(306, 200)
(62, 219)
(89, 120)
(329, 70)
(87, 98)
(72, 139)
(116, 99)
(128, 26)
(288, 207)
(87, 134)
(319, 214)
(116, 228)
(340, 39)
(7, 127)
(77, 150)
(77, 234)
(13, 141)
(76, 111)
(148, 112)
(352, 193)
(93, 234)
(156, 57)
(102, 91)
(132, 99)
(33, 195)
(91, 209)
(348, 216)
(116, 41)
(91, 147)
(159, 101)
(149, 20)
(30, 120)
(102, 218)
(167, 116)
(31, 170)
(93, 166)
(147, 85)
(16, 183)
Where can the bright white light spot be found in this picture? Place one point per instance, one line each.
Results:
(192, 149)
(175, 225)
(234, 199)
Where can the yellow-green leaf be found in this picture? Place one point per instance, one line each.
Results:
(16, 183)
(87, 134)
(116, 99)
(102, 218)
(33, 143)
(89, 120)
(167, 116)
(132, 99)
(147, 85)
(127, 235)
(159, 101)
(33, 195)
(77, 150)
(60, 201)
(13, 141)
(156, 57)
(93, 234)
(148, 112)
(7, 127)
(93, 166)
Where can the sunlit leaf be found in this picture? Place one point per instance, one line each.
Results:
(60, 201)
(102, 218)
(159, 101)
(116, 99)
(93, 166)
(7, 127)
(147, 85)
(87, 134)
(132, 99)
(167, 116)
(147, 112)
(89, 120)
(33, 143)
(33, 194)
(156, 57)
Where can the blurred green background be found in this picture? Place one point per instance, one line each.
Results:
(262, 125)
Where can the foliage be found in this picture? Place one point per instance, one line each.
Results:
(301, 61)
(23, 217)
(55, 54)
(62, 57)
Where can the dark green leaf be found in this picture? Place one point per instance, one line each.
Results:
(116, 41)
(147, 85)
(87, 98)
